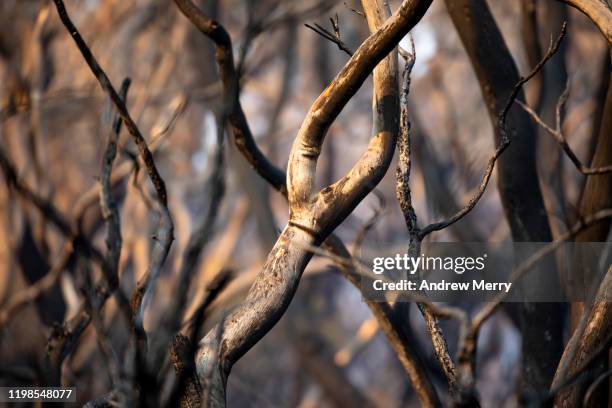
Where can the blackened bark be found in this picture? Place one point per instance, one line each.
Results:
(554, 79)
(518, 185)
(597, 195)
(581, 347)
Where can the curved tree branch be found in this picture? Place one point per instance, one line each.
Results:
(599, 12)
(399, 340)
(311, 221)
(307, 145)
(243, 137)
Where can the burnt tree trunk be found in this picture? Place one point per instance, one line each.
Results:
(542, 323)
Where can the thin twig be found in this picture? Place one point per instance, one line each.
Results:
(502, 145)
(404, 198)
(333, 37)
(62, 341)
(359, 13)
(37, 289)
(467, 348)
(123, 170)
(110, 214)
(530, 262)
(363, 270)
(108, 207)
(165, 234)
(107, 86)
(243, 137)
(199, 238)
(247, 146)
(104, 343)
(72, 329)
(557, 134)
(404, 164)
(370, 223)
(44, 206)
(75, 240)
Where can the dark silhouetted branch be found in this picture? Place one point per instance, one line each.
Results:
(503, 144)
(557, 134)
(333, 37)
(165, 234)
(243, 137)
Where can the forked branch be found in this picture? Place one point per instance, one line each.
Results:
(165, 234)
(503, 143)
(314, 218)
(333, 37)
(557, 134)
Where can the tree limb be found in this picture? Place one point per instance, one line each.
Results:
(275, 285)
(599, 12)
